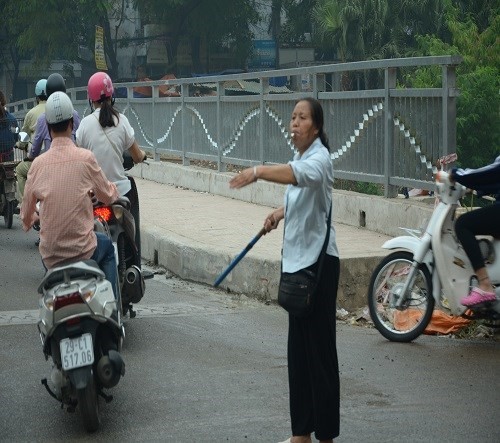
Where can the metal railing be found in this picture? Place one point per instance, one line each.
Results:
(381, 132)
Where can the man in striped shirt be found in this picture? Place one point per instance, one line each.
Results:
(62, 180)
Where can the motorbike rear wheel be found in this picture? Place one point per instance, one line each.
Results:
(407, 322)
(88, 402)
(8, 214)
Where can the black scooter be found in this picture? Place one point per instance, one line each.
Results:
(121, 218)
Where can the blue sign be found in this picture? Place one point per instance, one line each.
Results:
(263, 55)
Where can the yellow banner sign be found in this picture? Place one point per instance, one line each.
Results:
(100, 58)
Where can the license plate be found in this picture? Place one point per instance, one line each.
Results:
(77, 352)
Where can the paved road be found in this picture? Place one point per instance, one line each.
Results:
(207, 366)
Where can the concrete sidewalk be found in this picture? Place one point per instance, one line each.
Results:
(197, 234)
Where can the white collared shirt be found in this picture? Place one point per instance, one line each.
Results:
(90, 135)
(307, 207)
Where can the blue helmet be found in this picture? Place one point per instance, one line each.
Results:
(41, 88)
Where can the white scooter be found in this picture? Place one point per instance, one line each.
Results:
(430, 270)
(81, 330)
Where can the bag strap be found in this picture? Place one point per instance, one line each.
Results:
(115, 148)
(325, 244)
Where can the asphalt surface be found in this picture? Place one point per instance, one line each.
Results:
(205, 365)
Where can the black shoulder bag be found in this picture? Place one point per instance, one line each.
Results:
(297, 290)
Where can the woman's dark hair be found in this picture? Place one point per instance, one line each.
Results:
(107, 113)
(317, 118)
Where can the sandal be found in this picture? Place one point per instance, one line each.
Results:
(477, 296)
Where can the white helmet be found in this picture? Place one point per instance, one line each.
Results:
(58, 108)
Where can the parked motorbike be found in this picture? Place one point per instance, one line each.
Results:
(428, 271)
(81, 330)
(8, 184)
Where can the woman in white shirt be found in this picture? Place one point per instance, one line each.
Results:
(313, 370)
(108, 134)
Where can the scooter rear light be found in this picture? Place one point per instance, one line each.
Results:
(104, 213)
(85, 295)
(66, 300)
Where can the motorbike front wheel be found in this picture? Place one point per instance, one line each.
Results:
(8, 214)
(88, 402)
(407, 322)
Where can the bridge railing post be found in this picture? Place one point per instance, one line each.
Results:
(449, 110)
(390, 83)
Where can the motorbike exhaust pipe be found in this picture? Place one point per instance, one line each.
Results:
(110, 368)
(133, 289)
(132, 274)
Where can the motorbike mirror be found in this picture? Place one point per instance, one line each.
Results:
(24, 137)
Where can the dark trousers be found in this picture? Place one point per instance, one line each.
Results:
(313, 370)
(482, 221)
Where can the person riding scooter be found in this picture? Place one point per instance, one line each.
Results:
(62, 180)
(482, 221)
(109, 135)
(29, 126)
(7, 137)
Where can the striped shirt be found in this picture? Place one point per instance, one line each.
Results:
(61, 180)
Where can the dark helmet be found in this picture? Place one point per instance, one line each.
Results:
(55, 82)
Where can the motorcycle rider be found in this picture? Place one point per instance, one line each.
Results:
(29, 126)
(482, 221)
(108, 134)
(40, 143)
(7, 137)
(62, 180)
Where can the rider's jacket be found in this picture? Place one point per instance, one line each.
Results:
(485, 180)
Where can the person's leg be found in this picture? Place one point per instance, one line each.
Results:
(323, 360)
(483, 221)
(313, 364)
(104, 255)
(21, 175)
(301, 414)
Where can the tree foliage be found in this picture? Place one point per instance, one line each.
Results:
(346, 30)
(478, 133)
(49, 30)
(220, 25)
(375, 29)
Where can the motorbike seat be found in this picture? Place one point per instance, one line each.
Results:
(123, 201)
(71, 271)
